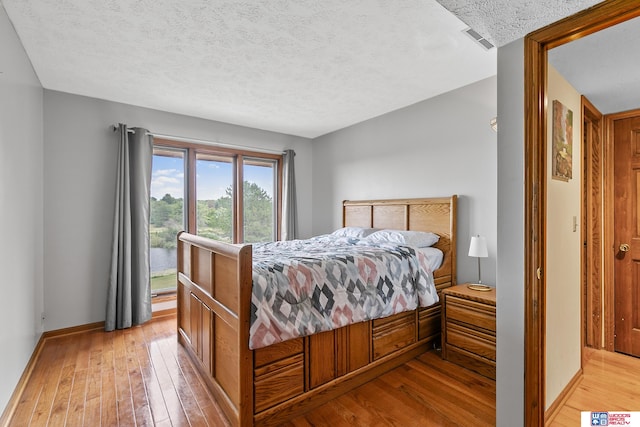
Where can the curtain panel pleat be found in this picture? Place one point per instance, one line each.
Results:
(289, 202)
(129, 294)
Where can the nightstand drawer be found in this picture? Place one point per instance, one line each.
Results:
(471, 340)
(471, 312)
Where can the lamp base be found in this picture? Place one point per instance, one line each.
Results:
(479, 287)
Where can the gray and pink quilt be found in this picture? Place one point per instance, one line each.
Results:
(301, 287)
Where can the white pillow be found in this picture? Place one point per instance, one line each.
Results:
(357, 232)
(434, 257)
(419, 239)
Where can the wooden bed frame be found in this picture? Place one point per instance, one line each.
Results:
(269, 385)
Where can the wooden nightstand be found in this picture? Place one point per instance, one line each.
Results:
(469, 328)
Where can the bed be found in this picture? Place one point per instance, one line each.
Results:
(271, 384)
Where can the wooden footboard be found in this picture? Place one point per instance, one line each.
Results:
(272, 384)
(214, 297)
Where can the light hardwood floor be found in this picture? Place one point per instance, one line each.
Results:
(610, 382)
(141, 376)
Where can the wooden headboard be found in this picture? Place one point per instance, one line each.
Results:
(437, 215)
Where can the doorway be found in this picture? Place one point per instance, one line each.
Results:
(611, 189)
(536, 46)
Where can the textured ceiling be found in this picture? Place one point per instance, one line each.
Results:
(605, 66)
(503, 21)
(302, 67)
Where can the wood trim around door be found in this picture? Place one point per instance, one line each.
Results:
(592, 232)
(536, 45)
(535, 234)
(608, 230)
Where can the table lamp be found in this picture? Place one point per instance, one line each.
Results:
(478, 249)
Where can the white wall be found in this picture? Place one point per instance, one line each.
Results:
(20, 208)
(510, 266)
(563, 250)
(437, 147)
(79, 176)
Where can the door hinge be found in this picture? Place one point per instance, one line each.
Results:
(539, 273)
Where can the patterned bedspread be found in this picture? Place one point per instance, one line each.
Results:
(301, 287)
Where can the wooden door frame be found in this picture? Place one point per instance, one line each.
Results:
(592, 231)
(536, 45)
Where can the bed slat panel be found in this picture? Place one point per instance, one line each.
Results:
(184, 259)
(226, 360)
(196, 315)
(393, 217)
(202, 268)
(357, 216)
(355, 340)
(184, 319)
(207, 348)
(321, 368)
(434, 218)
(225, 282)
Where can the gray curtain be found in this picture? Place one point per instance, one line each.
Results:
(129, 297)
(289, 209)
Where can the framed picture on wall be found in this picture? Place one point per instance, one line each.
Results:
(562, 148)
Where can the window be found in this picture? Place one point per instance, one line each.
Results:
(194, 188)
(167, 216)
(259, 209)
(214, 195)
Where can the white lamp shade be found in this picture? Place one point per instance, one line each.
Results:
(478, 247)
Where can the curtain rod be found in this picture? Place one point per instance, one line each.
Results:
(204, 141)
